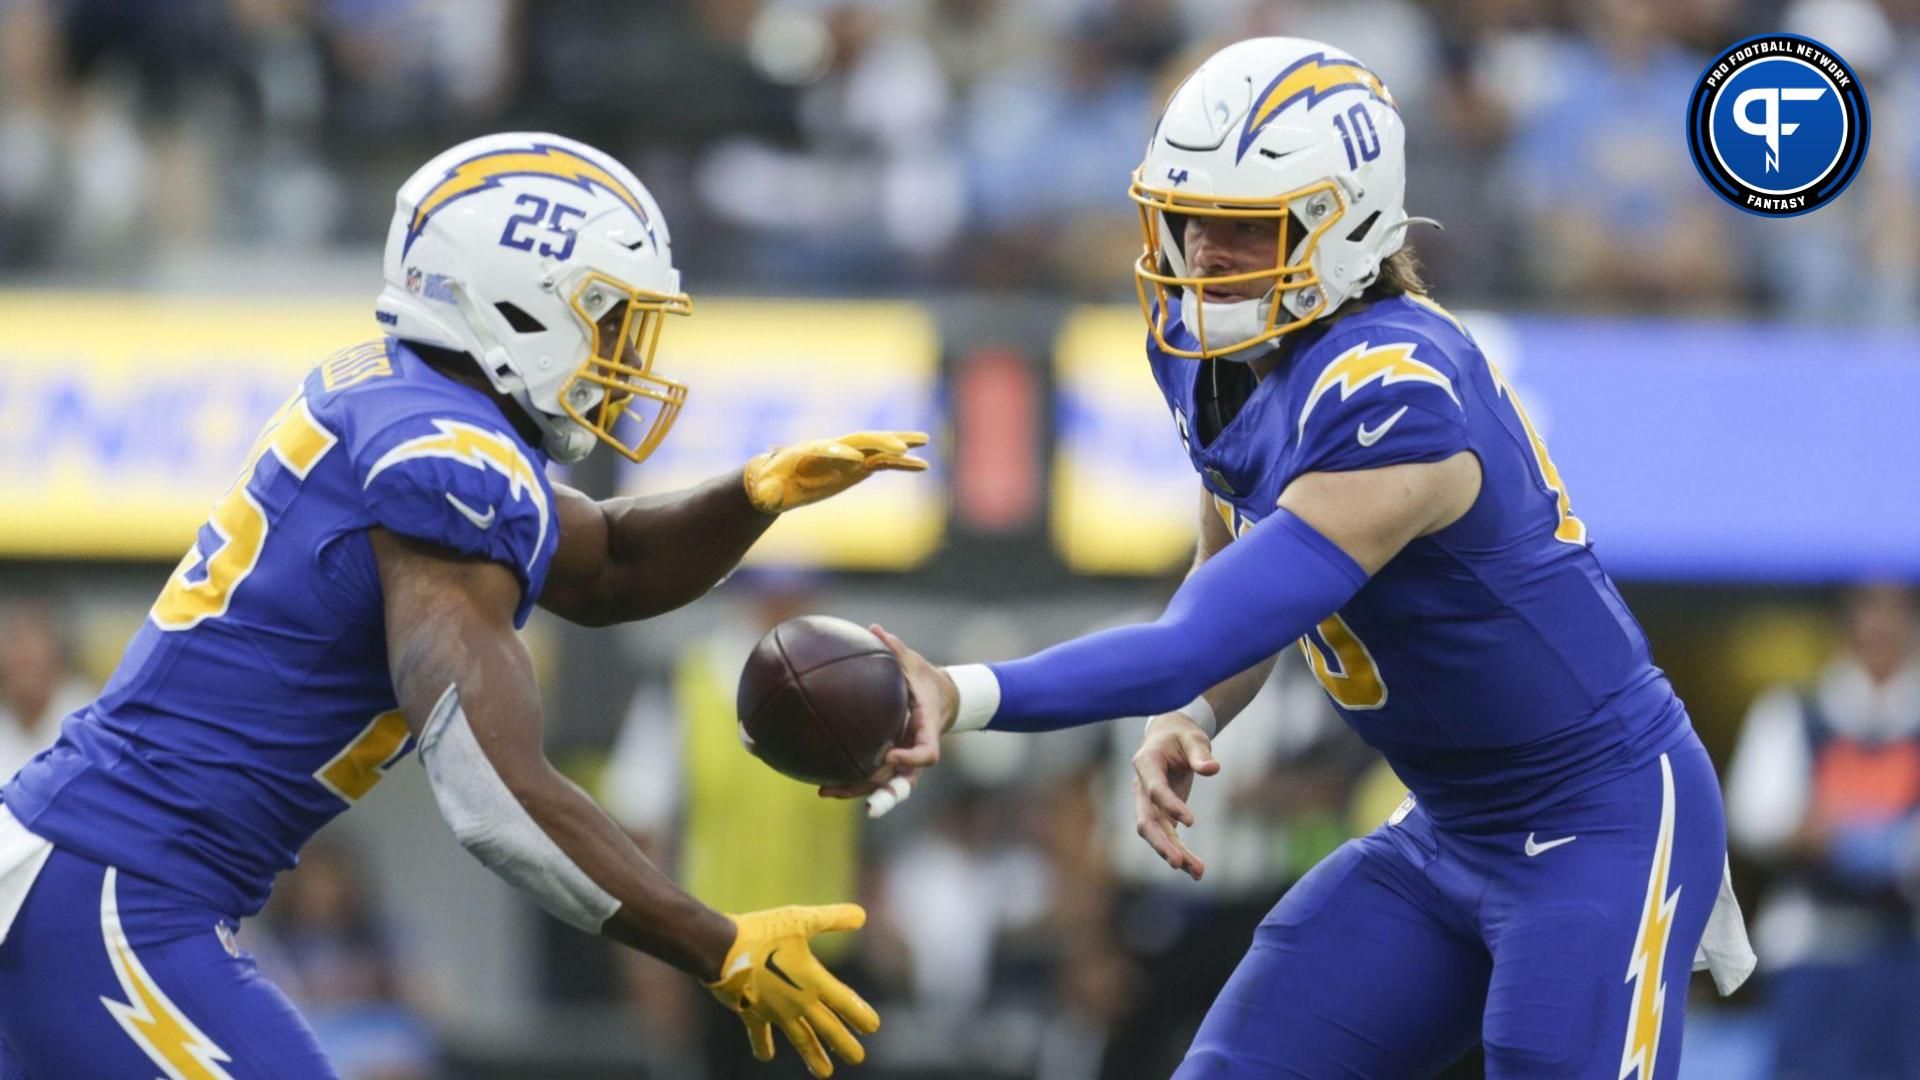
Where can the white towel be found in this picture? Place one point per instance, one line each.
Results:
(1724, 951)
(22, 854)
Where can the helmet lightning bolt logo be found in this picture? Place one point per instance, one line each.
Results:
(1362, 364)
(1310, 78)
(171, 1040)
(483, 172)
(1648, 970)
(480, 448)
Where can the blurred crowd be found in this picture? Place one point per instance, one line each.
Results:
(878, 146)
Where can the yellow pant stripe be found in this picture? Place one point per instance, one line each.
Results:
(1646, 971)
(147, 1015)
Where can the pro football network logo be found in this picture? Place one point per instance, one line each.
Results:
(1778, 125)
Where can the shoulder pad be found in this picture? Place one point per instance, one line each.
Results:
(1369, 403)
(463, 484)
(1362, 364)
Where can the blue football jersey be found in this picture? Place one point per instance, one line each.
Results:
(1493, 663)
(255, 703)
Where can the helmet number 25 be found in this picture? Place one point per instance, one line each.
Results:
(554, 214)
(1358, 135)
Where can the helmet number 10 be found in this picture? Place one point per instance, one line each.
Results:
(556, 221)
(1358, 135)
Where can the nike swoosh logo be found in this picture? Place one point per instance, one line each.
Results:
(480, 521)
(1535, 849)
(775, 968)
(1368, 438)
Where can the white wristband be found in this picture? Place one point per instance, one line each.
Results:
(979, 692)
(1201, 713)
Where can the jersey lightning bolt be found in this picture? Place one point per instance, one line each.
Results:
(1361, 365)
(482, 449)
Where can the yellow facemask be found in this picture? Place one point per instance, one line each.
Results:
(623, 324)
(1319, 206)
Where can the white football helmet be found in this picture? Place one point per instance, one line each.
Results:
(1288, 130)
(549, 263)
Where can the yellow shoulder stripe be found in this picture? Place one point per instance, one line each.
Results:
(481, 449)
(1364, 364)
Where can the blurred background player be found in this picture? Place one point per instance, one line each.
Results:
(1373, 491)
(358, 593)
(38, 685)
(1825, 788)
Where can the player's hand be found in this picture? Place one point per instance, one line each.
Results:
(1173, 753)
(791, 476)
(770, 977)
(932, 705)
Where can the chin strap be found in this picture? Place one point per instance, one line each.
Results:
(567, 447)
(1230, 321)
(1251, 353)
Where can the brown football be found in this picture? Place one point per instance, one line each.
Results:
(821, 700)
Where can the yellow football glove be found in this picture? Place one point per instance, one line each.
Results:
(790, 476)
(771, 977)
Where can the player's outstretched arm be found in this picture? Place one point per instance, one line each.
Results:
(639, 556)
(636, 557)
(466, 684)
(1330, 532)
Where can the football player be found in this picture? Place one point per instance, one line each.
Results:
(357, 594)
(1372, 489)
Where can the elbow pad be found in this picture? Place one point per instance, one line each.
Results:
(491, 823)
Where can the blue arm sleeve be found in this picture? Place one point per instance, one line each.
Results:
(1243, 605)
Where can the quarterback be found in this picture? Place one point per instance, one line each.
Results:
(356, 596)
(1373, 490)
